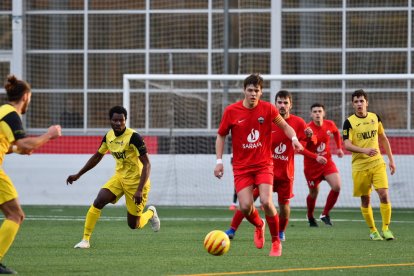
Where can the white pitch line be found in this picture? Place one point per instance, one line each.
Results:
(82, 218)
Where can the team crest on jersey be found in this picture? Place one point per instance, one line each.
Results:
(344, 132)
(261, 120)
(328, 132)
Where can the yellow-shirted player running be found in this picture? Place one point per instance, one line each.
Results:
(13, 140)
(131, 177)
(362, 134)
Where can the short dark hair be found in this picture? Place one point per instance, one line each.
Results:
(284, 94)
(359, 93)
(317, 105)
(15, 88)
(254, 79)
(119, 110)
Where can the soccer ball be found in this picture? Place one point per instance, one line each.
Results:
(217, 243)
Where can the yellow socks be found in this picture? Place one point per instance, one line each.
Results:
(91, 218)
(143, 220)
(8, 231)
(385, 209)
(369, 218)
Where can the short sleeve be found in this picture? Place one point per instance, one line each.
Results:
(138, 142)
(346, 130)
(103, 148)
(14, 122)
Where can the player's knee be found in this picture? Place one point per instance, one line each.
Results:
(313, 193)
(266, 204)
(98, 204)
(284, 204)
(135, 223)
(365, 201)
(384, 198)
(245, 207)
(264, 201)
(246, 210)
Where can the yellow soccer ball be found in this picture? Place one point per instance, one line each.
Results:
(217, 243)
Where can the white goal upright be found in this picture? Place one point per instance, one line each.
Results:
(181, 113)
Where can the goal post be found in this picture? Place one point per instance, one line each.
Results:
(182, 113)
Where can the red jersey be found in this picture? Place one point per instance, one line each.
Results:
(323, 134)
(251, 134)
(283, 151)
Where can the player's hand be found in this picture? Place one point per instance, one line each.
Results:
(371, 151)
(308, 132)
(72, 178)
(392, 168)
(321, 160)
(54, 131)
(218, 171)
(138, 197)
(340, 153)
(297, 146)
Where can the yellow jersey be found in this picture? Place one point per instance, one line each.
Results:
(11, 128)
(363, 132)
(125, 149)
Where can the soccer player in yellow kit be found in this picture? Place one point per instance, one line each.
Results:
(131, 177)
(13, 140)
(362, 133)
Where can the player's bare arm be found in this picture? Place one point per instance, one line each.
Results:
(219, 169)
(308, 132)
(92, 162)
(321, 160)
(383, 139)
(289, 131)
(28, 144)
(145, 173)
(338, 142)
(352, 148)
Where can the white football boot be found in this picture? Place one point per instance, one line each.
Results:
(155, 221)
(82, 244)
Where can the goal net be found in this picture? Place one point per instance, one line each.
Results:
(183, 112)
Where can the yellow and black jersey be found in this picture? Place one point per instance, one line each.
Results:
(363, 133)
(11, 128)
(125, 148)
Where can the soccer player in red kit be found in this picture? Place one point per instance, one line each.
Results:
(250, 123)
(283, 157)
(319, 165)
(283, 163)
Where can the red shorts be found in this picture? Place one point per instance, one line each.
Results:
(284, 190)
(316, 173)
(253, 177)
